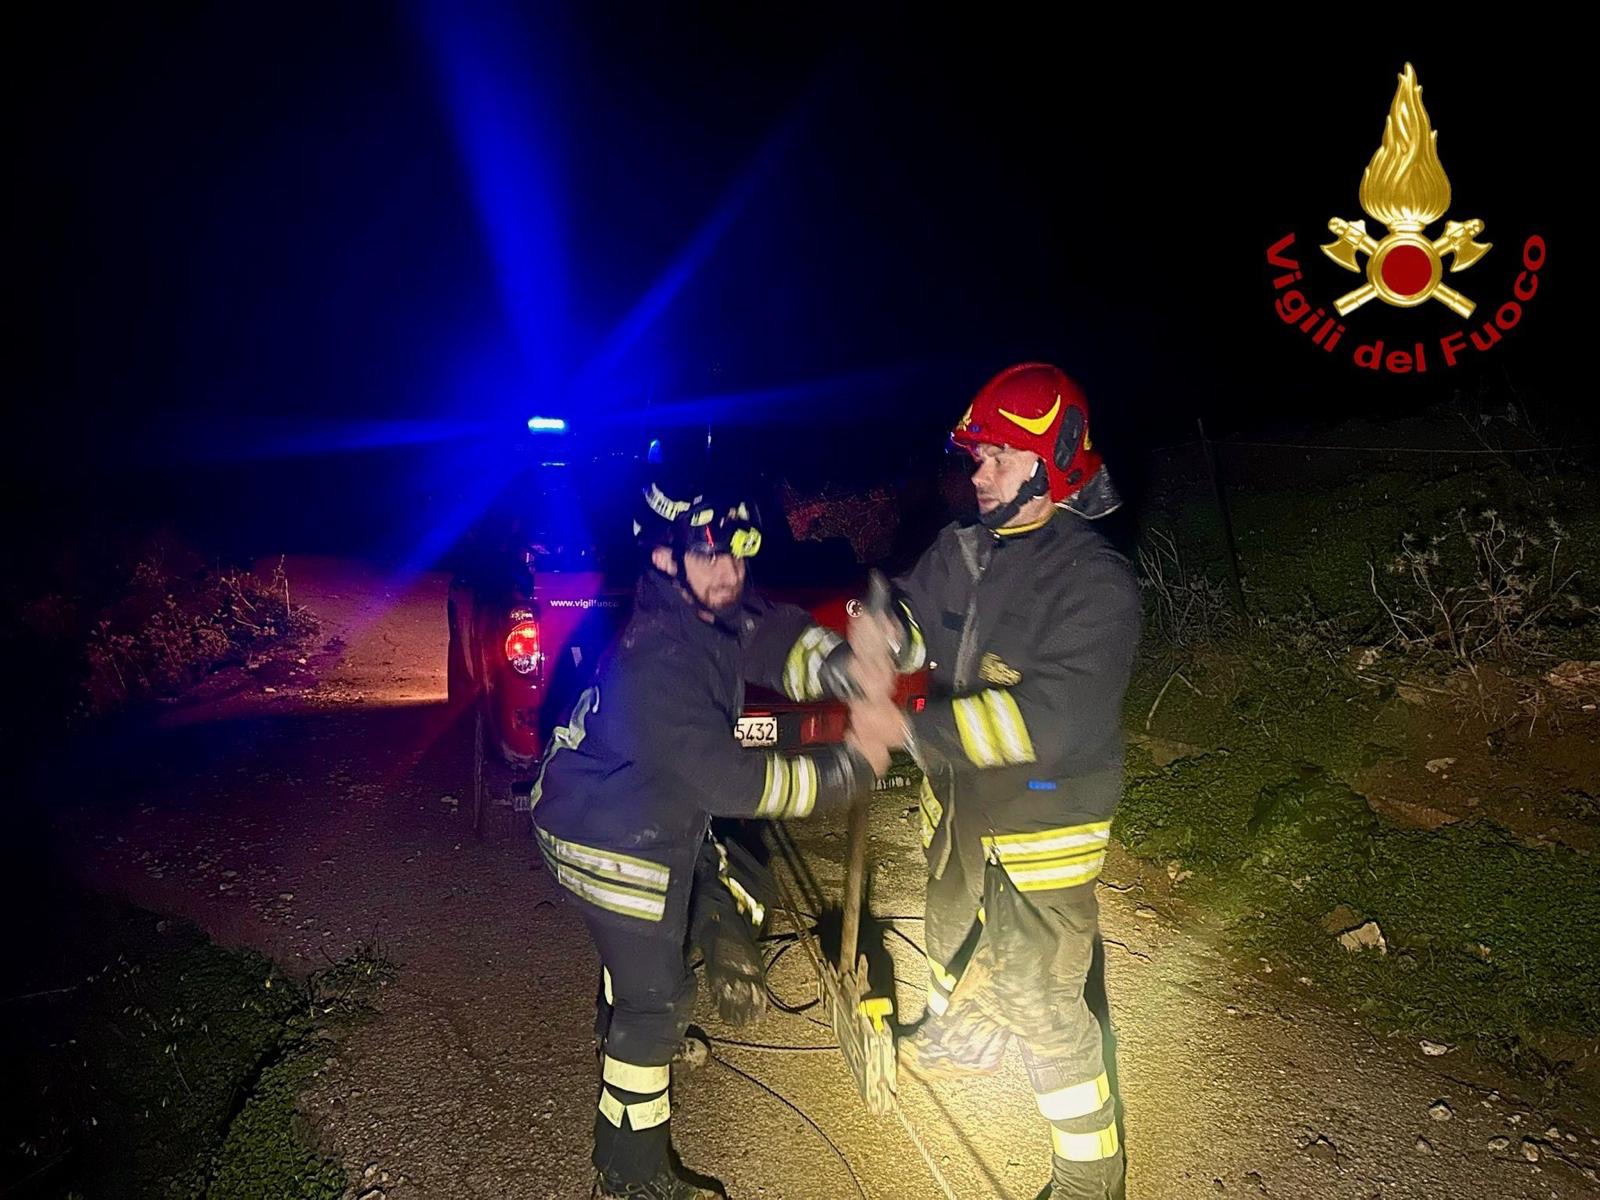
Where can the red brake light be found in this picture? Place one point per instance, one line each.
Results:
(918, 703)
(522, 645)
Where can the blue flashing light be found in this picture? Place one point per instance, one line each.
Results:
(654, 453)
(546, 425)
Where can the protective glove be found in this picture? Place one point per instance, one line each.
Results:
(725, 934)
(735, 972)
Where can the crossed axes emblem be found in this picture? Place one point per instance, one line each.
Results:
(1416, 251)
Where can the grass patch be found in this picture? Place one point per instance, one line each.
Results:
(1303, 551)
(1490, 940)
(266, 1155)
(168, 1066)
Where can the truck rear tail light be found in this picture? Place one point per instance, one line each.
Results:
(918, 703)
(522, 643)
(825, 726)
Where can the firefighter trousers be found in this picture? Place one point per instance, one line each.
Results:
(1005, 964)
(646, 998)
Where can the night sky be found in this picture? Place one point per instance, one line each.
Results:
(347, 245)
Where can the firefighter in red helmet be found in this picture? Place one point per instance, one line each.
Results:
(1027, 620)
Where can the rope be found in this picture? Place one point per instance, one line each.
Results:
(775, 1048)
(799, 1112)
(933, 1167)
(911, 1134)
(806, 935)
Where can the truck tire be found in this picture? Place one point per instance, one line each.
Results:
(492, 815)
(458, 679)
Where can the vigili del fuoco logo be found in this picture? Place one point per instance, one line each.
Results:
(1403, 191)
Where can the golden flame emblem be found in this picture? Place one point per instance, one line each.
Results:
(1405, 189)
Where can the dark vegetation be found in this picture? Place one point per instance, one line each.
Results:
(1408, 616)
(99, 623)
(143, 1060)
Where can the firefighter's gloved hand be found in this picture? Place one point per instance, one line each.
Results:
(876, 728)
(871, 660)
(735, 971)
(837, 674)
(865, 666)
(727, 939)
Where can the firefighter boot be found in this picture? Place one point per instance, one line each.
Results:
(1104, 1179)
(941, 1048)
(671, 1182)
(694, 1051)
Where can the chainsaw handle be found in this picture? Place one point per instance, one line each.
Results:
(877, 593)
(877, 605)
(854, 884)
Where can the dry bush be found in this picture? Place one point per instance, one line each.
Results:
(1183, 607)
(1479, 591)
(177, 621)
(1489, 602)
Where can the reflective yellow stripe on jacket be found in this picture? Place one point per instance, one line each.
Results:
(1052, 858)
(914, 654)
(790, 789)
(802, 673)
(616, 882)
(992, 730)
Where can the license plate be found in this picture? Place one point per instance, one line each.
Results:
(756, 731)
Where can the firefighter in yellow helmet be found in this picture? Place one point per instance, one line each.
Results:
(625, 796)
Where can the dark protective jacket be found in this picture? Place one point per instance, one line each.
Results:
(1029, 637)
(629, 785)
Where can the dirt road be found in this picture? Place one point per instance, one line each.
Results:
(312, 807)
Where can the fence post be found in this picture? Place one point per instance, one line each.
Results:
(1227, 518)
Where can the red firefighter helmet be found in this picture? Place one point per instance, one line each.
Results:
(1035, 406)
(1039, 407)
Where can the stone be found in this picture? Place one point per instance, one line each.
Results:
(1365, 937)
(1324, 1150)
(1341, 919)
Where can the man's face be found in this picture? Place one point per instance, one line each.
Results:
(716, 579)
(999, 472)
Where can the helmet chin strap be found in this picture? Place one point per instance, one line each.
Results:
(1036, 485)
